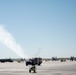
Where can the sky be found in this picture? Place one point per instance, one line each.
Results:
(44, 28)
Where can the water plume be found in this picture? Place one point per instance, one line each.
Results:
(37, 53)
(7, 39)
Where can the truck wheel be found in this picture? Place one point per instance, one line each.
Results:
(38, 64)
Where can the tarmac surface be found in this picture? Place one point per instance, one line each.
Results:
(47, 68)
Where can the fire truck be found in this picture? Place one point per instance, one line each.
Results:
(34, 61)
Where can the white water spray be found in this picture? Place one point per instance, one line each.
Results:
(7, 39)
(37, 53)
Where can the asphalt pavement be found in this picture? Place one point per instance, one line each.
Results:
(47, 68)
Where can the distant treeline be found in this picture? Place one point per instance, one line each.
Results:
(72, 58)
(11, 60)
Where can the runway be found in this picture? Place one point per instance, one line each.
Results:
(47, 68)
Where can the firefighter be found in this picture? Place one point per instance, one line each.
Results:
(33, 68)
